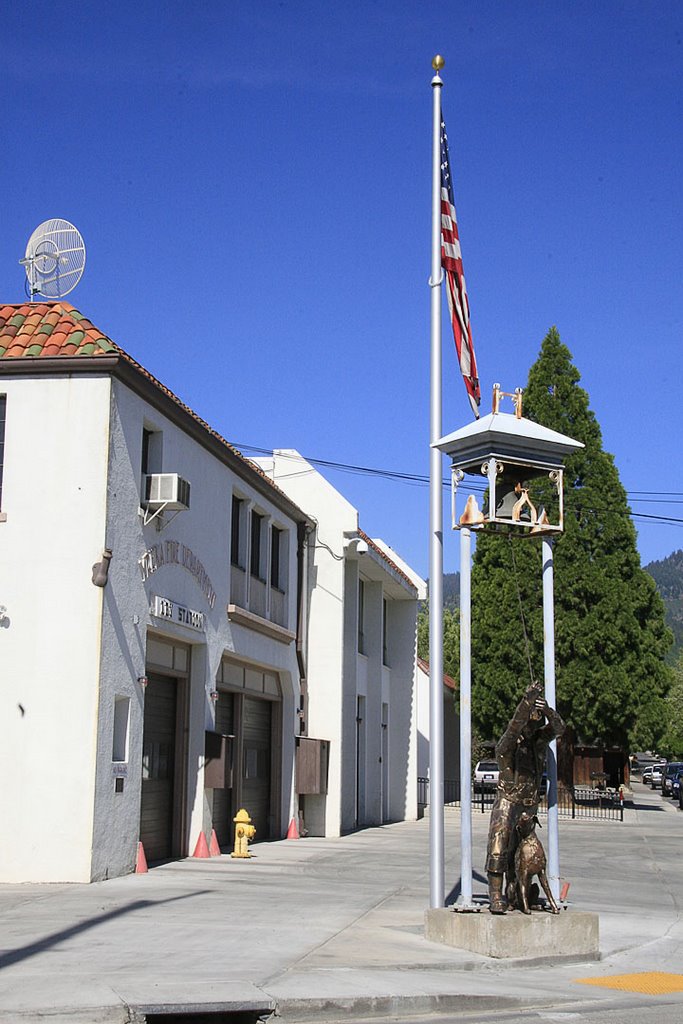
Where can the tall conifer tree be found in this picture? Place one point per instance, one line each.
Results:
(610, 635)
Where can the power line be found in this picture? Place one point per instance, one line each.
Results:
(421, 479)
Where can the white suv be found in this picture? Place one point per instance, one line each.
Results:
(656, 775)
(485, 775)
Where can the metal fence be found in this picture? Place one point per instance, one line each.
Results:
(580, 802)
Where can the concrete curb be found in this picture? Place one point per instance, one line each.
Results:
(92, 1015)
(292, 1011)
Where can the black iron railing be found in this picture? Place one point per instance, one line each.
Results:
(580, 802)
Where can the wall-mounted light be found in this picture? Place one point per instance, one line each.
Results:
(143, 680)
(214, 695)
(100, 570)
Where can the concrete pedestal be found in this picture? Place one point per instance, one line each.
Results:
(568, 935)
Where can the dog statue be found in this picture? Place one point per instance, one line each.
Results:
(529, 861)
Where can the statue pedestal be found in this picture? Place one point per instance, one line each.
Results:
(572, 934)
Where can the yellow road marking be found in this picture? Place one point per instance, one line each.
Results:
(650, 983)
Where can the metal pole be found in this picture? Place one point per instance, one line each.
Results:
(465, 899)
(549, 670)
(436, 795)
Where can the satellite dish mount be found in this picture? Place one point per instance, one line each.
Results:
(54, 259)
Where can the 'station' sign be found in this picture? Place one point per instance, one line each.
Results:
(163, 608)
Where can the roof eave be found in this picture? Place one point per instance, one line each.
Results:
(506, 436)
(146, 387)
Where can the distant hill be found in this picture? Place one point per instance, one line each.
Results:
(451, 591)
(668, 575)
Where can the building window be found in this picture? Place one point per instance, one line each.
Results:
(275, 550)
(121, 728)
(255, 557)
(361, 617)
(150, 456)
(150, 461)
(385, 610)
(144, 461)
(3, 410)
(236, 532)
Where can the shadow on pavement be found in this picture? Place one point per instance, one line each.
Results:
(455, 891)
(15, 956)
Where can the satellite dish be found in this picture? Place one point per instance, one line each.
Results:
(54, 260)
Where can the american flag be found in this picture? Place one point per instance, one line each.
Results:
(451, 261)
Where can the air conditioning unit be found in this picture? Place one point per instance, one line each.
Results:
(168, 491)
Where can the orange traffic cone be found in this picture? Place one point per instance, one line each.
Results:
(214, 848)
(201, 849)
(293, 831)
(140, 860)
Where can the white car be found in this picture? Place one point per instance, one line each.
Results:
(485, 775)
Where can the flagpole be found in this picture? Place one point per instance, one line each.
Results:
(436, 753)
(550, 696)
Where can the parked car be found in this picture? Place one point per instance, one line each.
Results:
(672, 769)
(656, 776)
(680, 795)
(647, 775)
(676, 784)
(485, 775)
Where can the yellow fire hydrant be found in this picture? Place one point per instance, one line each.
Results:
(244, 833)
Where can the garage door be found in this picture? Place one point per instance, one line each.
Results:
(256, 728)
(223, 813)
(158, 767)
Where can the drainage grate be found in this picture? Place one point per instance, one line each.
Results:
(208, 1017)
(649, 983)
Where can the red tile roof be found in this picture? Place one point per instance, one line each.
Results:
(385, 557)
(48, 330)
(448, 681)
(35, 329)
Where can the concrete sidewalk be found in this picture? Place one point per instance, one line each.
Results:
(324, 928)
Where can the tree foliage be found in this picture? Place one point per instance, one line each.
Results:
(672, 743)
(610, 634)
(423, 632)
(451, 639)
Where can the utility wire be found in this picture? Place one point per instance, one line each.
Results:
(477, 488)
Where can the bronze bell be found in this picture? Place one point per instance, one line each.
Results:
(513, 501)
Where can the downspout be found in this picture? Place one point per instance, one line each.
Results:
(302, 537)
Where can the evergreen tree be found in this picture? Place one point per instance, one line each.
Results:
(610, 634)
(423, 632)
(451, 639)
(672, 744)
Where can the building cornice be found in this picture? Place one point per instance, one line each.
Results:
(146, 386)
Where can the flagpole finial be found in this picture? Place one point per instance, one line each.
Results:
(438, 63)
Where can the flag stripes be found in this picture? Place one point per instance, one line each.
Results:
(451, 261)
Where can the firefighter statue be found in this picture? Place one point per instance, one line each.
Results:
(521, 755)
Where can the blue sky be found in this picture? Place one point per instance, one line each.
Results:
(253, 185)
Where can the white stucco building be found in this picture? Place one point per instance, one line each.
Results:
(361, 668)
(157, 605)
